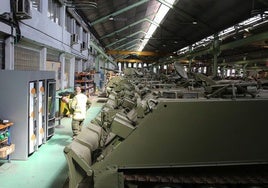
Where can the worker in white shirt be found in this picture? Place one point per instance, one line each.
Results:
(78, 109)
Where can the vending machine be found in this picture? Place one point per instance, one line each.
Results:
(41, 113)
(51, 108)
(32, 119)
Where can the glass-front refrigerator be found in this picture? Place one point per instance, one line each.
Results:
(51, 108)
(41, 112)
(32, 108)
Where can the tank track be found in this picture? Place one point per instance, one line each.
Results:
(239, 176)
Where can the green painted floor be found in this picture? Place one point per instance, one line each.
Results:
(46, 167)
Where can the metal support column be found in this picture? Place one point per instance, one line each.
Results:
(97, 62)
(62, 68)
(215, 64)
(72, 72)
(43, 58)
(216, 53)
(9, 53)
(190, 58)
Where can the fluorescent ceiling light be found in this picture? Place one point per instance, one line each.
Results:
(160, 15)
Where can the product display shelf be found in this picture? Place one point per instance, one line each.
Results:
(86, 81)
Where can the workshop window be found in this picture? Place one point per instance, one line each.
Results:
(54, 11)
(36, 5)
(84, 36)
(26, 58)
(84, 40)
(68, 22)
(77, 30)
(2, 54)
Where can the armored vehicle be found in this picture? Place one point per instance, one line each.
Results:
(141, 140)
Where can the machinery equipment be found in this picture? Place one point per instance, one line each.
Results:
(139, 140)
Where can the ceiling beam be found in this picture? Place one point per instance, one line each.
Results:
(264, 2)
(130, 42)
(129, 60)
(186, 15)
(128, 48)
(132, 46)
(125, 52)
(133, 61)
(119, 12)
(129, 36)
(165, 3)
(251, 61)
(99, 50)
(128, 26)
(245, 41)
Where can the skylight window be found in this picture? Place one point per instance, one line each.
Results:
(160, 15)
(249, 23)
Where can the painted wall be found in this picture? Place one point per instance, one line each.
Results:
(4, 8)
(42, 30)
(45, 34)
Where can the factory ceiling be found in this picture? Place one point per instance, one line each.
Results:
(192, 29)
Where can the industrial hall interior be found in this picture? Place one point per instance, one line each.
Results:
(133, 93)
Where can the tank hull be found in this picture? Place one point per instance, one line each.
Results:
(190, 134)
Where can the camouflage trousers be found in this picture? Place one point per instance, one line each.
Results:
(76, 126)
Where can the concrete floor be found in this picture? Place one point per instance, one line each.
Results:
(47, 167)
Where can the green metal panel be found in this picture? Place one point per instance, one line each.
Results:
(191, 132)
(121, 127)
(109, 178)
